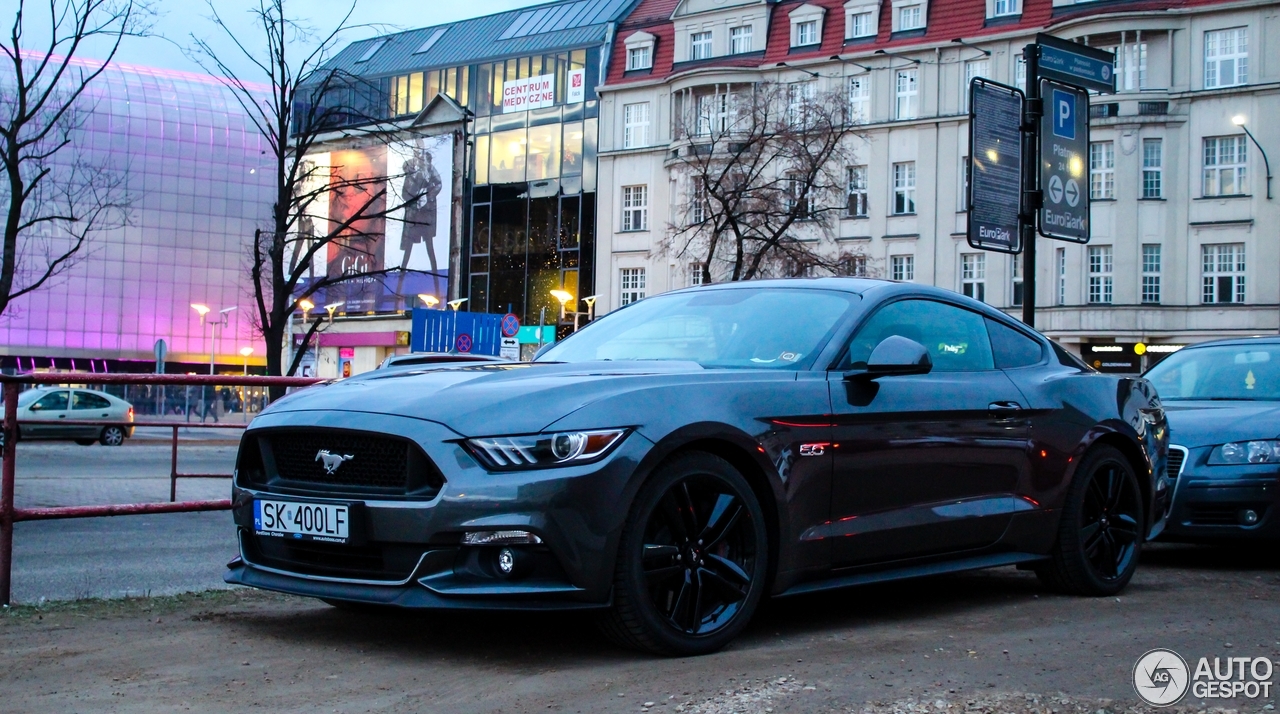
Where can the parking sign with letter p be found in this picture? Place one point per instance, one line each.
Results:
(1064, 114)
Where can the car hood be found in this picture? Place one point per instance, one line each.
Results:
(1204, 423)
(488, 399)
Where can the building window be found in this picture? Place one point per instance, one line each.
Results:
(973, 275)
(635, 208)
(853, 266)
(1223, 273)
(1060, 269)
(1100, 275)
(1226, 57)
(860, 99)
(910, 17)
(635, 125)
(1006, 7)
(700, 46)
(1224, 166)
(740, 39)
(972, 70)
(699, 209)
(806, 33)
(640, 57)
(797, 199)
(1102, 170)
(1131, 67)
(1015, 270)
(856, 191)
(1151, 273)
(695, 274)
(1020, 73)
(799, 97)
(713, 113)
(902, 268)
(1152, 168)
(962, 200)
(906, 92)
(904, 188)
(861, 24)
(632, 282)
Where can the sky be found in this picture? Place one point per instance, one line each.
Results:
(179, 19)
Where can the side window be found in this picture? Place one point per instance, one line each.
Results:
(956, 338)
(53, 402)
(1011, 347)
(88, 400)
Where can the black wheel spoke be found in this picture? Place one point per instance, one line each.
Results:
(681, 604)
(656, 552)
(727, 571)
(1107, 556)
(658, 575)
(687, 512)
(1089, 537)
(1125, 529)
(724, 516)
(1116, 492)
(1097, 493)
(675, 521)
(698, 602)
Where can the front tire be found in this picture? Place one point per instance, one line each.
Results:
(1101, 530)
(112, 436)
(693, 560)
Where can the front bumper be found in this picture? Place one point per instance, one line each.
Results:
(408, 552)
(1215, 502)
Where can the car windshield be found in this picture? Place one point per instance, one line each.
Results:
(29, 396)
(1249, 372)
(756, 328)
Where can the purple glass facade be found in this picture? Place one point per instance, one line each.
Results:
(199, 178)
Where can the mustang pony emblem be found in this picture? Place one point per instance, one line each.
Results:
(332, 461)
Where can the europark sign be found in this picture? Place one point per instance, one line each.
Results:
(1028, 153)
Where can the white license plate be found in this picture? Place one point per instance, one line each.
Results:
(303, 521)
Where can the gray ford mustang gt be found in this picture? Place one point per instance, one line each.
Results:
(679, 459)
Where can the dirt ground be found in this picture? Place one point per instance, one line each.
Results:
(983, 642)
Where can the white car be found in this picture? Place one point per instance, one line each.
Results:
(58, 403)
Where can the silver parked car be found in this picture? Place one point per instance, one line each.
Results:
(58, 403)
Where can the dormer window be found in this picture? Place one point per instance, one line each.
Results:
(640, 57)
(640, 51)
(1004, 8)
(740, 39)
(910, 15)
(700, 46)
(910, 18)
(861, 19)
(806, 25)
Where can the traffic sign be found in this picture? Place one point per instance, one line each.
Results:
(510, 349)
(1064, 156)
(995, 166)
(463, 342)
(510, 325)
(1076, 64)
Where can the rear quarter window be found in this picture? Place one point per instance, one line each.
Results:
(1011, 348)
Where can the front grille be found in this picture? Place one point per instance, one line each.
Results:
(375, 561)
(338, 461)
(1177, 456)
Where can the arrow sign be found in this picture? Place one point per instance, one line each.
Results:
(1077, 64)
(1064, 162)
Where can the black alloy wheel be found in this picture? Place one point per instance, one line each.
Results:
(693, 561)
(112, 436)
(1101, 532)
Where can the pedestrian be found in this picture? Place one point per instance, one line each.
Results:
(210, 399)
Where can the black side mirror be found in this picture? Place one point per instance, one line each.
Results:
(895, 355)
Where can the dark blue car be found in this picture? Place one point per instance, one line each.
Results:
(1223, 404)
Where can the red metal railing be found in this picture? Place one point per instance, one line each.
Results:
(12, 384)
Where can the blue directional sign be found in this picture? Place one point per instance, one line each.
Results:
(1064, 156)
(1076, 64)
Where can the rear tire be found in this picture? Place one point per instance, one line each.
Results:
(112, 436)
(1101, 530)
(693, 560)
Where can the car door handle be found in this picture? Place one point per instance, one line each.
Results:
(1004, 408)
(62, 416)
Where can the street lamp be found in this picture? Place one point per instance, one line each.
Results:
(590, 300)
(564, 296)
(213, 331)
(1239, 120)
(331, 308)
(429, 300)
(245, 352)
(455, 304)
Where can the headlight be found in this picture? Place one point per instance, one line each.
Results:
(1246, 452)
(506, 453)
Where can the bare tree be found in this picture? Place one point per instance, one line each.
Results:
(56, 195)
(762, 169)
(298, 104)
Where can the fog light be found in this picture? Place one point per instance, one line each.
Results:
(506, 561)
(1249, 517)
(511, 537)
